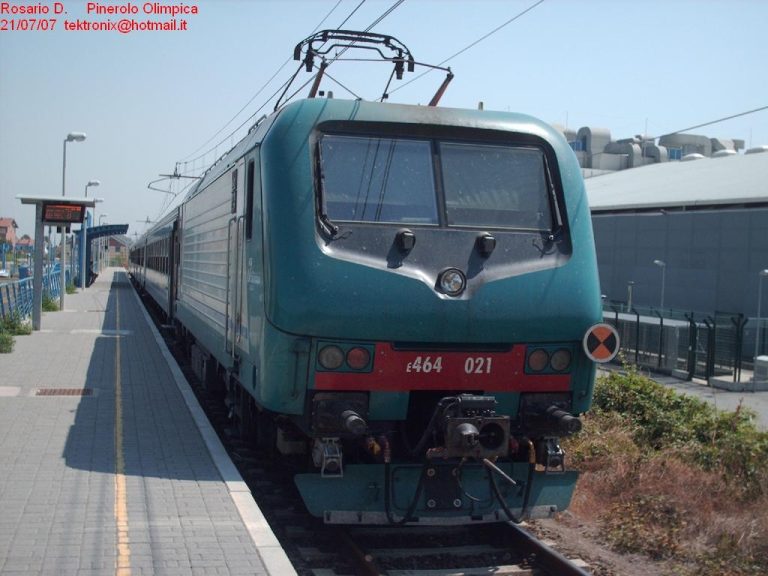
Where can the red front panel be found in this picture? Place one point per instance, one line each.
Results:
(401, 371)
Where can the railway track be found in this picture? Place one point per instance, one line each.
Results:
(408, 551)
(316, 549)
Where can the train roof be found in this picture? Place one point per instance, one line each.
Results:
(364, 111)
(254, 136)
(162, 227)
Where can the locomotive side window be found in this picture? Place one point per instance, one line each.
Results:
(234, 191)
(495, 186)
(369, 179)
(249, 181)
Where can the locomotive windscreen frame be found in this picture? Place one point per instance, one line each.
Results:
(456, 191)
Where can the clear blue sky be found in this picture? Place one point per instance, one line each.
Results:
(149, 99)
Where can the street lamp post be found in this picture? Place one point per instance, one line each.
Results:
(762, 274)
(663, 265)
(71, 137)
(630, 284)
(83, 244)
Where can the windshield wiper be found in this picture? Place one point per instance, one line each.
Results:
(328, 227)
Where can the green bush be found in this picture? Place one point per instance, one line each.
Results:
(664, 419)
(49, 304)
(71, 288)
(669, 476)
(15, 325)
(6, 342)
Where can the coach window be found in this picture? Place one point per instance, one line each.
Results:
(371, 179)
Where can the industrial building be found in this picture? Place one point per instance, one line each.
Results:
(695, 230)
(683, 214)
(598, 154)
(681, 233)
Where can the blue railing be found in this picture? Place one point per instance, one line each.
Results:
(16, 297)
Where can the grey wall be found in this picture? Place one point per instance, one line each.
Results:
(713, 258)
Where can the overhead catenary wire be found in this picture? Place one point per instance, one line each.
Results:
(169, 199)
(731, 117)
(387, 13)
(188, 159)
(264, 86)
(348, 16)
(233, 132)
(475, 43)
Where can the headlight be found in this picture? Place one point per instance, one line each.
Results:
(538, 360)
(561, 360)
(331, 357)
(358, 358)
(452, 281)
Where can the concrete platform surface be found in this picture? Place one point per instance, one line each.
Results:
(107, 463)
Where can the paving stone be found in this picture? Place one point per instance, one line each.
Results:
(58, 473)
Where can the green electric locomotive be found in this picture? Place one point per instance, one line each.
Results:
(401, 299)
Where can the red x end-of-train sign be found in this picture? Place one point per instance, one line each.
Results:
(601, 343)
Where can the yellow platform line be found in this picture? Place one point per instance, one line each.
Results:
(123, 560)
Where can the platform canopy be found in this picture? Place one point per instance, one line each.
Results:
(60, 210)
(52, 211)
(95, 232)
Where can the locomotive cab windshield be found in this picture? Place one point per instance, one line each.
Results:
(438, 182)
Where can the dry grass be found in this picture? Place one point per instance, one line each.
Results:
(660, 499)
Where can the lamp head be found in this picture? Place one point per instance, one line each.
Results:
(94, 183)
(660, 263)
(76, 137)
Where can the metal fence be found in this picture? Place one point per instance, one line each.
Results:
(16, 297)
(682, 343)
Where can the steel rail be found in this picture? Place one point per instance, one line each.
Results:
(550, 559)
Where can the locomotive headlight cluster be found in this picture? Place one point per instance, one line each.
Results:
(542, 360)
(331, 357)
(452, 281)
(343, 358)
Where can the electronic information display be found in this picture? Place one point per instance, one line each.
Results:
(63, 213)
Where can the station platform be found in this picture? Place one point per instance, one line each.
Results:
(107, 463)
